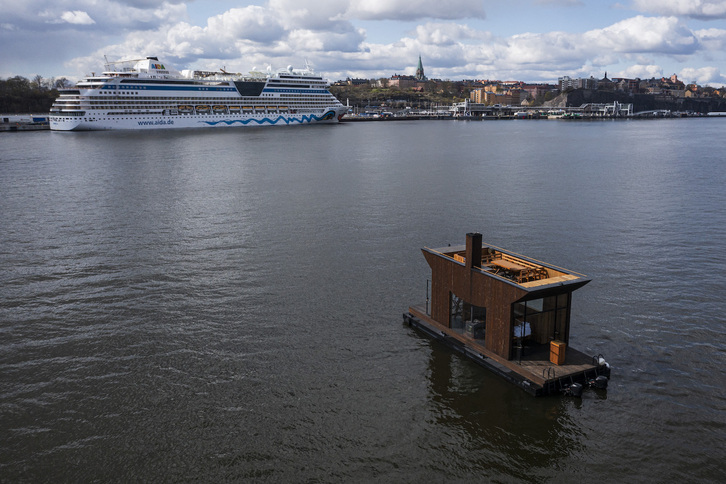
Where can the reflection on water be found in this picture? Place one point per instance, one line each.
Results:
(496, 429)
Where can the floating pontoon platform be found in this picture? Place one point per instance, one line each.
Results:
(534, 373)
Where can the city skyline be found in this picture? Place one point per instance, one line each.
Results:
(527, 40)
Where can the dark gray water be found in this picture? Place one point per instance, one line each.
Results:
(226, 305)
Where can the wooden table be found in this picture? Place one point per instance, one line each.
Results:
(510, 266)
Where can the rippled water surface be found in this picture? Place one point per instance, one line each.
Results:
(226, 305)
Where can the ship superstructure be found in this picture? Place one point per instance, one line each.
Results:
(149, 94)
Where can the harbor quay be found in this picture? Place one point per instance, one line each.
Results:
(464, 111)
(23, 122)
(478, 112)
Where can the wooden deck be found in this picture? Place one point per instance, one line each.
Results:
(534, 373)
(535, 360)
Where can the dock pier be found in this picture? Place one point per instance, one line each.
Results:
(23, 122)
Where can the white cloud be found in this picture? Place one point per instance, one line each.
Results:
(410, 10)
(284, 32)
(702, 75)
(588, 53)
(701, 9)
(77, 17)
(252, 23)
(108, 17)
(149, 4)
(713, 40)
(551, 47)
(309, 14)
(240, 38)
(641, 72)
(373, 37)
(440, 34)
(117, 16)
(310, 41)
(640, 34)
(585, 54)
(566, 3)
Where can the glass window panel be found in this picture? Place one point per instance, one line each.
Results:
(519, 309)
(550, 303)
(534, 305)
(456, 319)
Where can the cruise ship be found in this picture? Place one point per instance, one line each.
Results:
(150, 94)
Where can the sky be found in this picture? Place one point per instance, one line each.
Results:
(523, 40)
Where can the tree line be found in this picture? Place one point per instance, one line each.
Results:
(443, 93)
(19, 95)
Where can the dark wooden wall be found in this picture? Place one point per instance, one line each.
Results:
(478, 288)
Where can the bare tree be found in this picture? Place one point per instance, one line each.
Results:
(37, 82)
(61, 83)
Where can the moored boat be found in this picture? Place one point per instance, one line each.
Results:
(508, 313)
(149, 94)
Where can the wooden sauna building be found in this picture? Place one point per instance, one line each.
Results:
(507, 312)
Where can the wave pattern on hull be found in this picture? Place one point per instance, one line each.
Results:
(303, 119)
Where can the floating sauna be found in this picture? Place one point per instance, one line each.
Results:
(508, 313)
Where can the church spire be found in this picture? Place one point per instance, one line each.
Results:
(420, 70)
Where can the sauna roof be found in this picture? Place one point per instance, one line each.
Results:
(515, 268)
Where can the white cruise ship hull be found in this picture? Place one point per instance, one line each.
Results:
(109, 122)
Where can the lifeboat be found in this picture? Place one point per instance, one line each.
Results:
(202, 109)
(219, 109)
(184, 109)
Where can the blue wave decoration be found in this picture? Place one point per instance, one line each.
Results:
(280, 119)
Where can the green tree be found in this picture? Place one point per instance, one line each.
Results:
(18, 95)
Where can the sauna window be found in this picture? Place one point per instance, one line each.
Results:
(541, 320)
(468, 317)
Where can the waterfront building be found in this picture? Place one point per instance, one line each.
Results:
(567, 82)
(402, 82)
(496, 95)
(605, 84)
(624, 84)
(356, 82)
(537, 90)
(477, 95)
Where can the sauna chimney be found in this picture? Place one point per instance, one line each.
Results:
(473, 250)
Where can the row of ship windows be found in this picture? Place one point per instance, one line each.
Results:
(197, 98)
(212, 109)
(100, 105)
(139, 104)
(206, 99)
(172, 105)
(306, 98)
(156, 115)
(287, 100)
